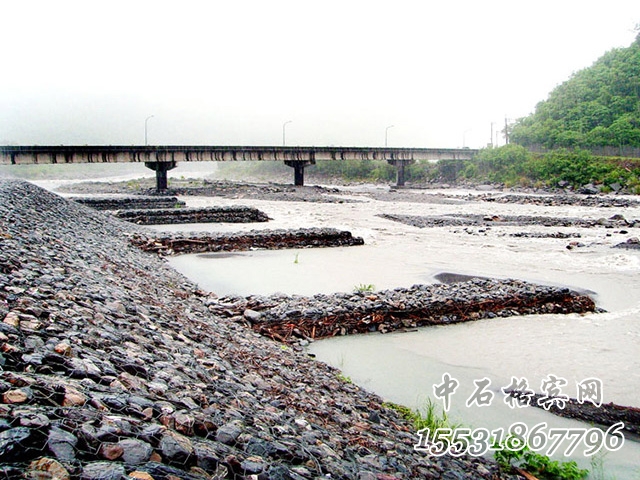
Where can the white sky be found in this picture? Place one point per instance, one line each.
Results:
(232, 72)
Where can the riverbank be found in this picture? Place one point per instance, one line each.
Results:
(114, 364)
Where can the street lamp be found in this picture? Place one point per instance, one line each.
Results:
(386, 132)
(464, 137)
(145, 128)
(283, 131)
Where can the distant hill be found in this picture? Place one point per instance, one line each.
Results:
(597, 107)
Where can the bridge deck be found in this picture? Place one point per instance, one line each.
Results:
(16, 155)
(165, 157)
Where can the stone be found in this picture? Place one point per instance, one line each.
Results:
(18, 395)
(12, 319)
(253, 465)
(62, 444)
(175, 447)
(73, 397)
(135, 452)
(252, 315)
(140, 475)
(228, 433)
(111, 451)
(47, 469)
(63, 348)
(103, 471)
(13, 443)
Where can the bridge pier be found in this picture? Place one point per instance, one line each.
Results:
(298, 170)
(161, 169)
(400, 164)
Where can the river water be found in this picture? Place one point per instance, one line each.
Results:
(404, 367)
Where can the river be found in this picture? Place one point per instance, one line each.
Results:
(404, 367)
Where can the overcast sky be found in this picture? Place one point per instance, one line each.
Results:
(233, 72)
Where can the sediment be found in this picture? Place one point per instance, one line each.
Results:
(113, 364)
(165, 216)
(173, 244)
(289, 318)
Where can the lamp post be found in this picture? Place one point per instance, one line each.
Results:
(464, 137)
(386, 134)
(145, 128)
(283, 131)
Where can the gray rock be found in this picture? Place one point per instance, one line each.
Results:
(135, 452)
(62, 444)
(103, 471)
(228, 434)
(175, 447)
(252, 315)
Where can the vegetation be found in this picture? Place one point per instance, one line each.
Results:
(597, 107)
(515, 165)
(364, 288)
(429, 417)
(539, 465)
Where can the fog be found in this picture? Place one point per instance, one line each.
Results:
(444, 74)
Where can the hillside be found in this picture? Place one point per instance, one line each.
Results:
(596, 107)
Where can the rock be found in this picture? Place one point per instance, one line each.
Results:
(12, 319)
(47, 469)
(103, 471)
(62, 444)
(589, 189)
(140, 475)
(111, 451)
(63, 348)
(18, 395)
(73, 398)
(175, 448)
(13, 443)
(135, 452)
(228, 434)
(252, 315)
(252, 465)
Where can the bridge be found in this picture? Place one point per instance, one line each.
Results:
(163, 158)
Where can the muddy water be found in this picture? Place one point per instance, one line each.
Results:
(404, 367)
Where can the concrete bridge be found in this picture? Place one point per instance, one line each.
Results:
(163, 158)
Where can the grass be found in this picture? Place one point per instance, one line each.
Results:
(428, 417)
(364, 288)
(539, 465)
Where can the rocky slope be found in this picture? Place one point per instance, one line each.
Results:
(112, 365)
